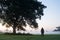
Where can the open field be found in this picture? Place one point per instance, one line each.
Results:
(29, 37)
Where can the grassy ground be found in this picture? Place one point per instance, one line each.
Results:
(29, 37)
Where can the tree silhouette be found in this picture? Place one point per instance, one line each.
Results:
(57, 28)
(19, 13)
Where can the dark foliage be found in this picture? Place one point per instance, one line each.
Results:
(18, 13)
(57, 28)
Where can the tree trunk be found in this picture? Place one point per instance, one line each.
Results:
(14, 26)
(14, 29)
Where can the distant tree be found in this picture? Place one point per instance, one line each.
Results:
(57, 28)
(18, 13)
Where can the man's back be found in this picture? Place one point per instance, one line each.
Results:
(42, 31)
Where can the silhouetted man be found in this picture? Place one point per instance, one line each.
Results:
(42, 31)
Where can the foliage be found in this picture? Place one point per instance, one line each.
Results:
(57, 28)
(19, 13)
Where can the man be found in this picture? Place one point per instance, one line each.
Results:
(42, 31)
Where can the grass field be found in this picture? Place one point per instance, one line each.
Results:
(29, 37)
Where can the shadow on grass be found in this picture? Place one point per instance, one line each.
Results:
(18, 34)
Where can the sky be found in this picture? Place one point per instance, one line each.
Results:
(51, 18)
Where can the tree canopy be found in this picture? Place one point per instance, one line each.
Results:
(57, 28)
(19, 13)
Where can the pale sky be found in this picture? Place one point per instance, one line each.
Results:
(51, 18)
